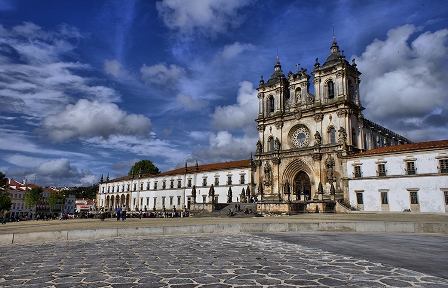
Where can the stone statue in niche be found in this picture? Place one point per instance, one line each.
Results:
(277, 144)
(329, 163)
(317, 139)
(259, 148)
(267, 181)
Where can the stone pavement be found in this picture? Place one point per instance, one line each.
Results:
(239, 260)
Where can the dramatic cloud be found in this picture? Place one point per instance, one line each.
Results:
(34, 79)
(240, 115)
(53, 171)
(161, 74)
(224, 146)
(189, 104)
(88, 119)
(206, 16)
(403, 78)
(404, 75)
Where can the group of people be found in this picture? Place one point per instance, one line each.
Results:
(120, 213)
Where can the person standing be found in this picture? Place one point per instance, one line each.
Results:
(118, 212)
(123, 213)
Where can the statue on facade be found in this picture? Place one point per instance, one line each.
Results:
(329, 163)
(317, 139)
(259, 149)
(277, 144)
(267, 175)
(342, 136)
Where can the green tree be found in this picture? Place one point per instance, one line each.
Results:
(53, 200)
(145, 167)
(5, 198)
(33, 197)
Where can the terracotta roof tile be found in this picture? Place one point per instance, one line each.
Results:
(406, 147)
(203, 168)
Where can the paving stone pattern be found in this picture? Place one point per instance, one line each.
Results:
(241, 260)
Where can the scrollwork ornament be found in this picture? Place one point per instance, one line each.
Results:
(318, 117)
(279, 124)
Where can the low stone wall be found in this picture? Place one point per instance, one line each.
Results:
(226, 228)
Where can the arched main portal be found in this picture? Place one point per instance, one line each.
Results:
(302, 185)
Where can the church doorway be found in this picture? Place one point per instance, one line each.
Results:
(302, 186)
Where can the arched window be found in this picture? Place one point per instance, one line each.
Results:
(271, 106)
(332, 135)
(271, 144)
(330, 89)
(354, 139)
(351, 90)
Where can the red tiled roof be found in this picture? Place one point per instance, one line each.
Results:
(406, 147)
(204, 167)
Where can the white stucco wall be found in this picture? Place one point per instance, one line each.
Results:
(429, 184)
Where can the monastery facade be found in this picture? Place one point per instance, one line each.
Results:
(316, 152)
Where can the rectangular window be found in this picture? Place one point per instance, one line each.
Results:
(163, 184)
(204, 198)
(147, 186)
(229, 180)
(443, 164)
(189, 183)
(446, 197)
(411, 168)
(178, 201)
(135, 187)
(179, 183)
(381, 170)
(141, 186)
(384, 198)
(171, 184)
(204, 181)
(414, 198)
(147, 201)
(242, 179)
(163, 201)
(359, 198)
(358, 172)
(171, 200)
(216, 181)
(155, 185)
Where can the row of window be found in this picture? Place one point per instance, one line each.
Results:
(111, 189)
(413, 196)
(410, 169)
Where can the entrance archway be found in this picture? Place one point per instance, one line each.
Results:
(302, 184)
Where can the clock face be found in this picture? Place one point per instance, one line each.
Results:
(301, 137)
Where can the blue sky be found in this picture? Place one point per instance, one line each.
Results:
(90, 87)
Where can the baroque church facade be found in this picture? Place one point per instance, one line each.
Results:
(315, 153)
(303, 138)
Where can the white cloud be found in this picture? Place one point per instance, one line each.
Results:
(240, 115)
(60, 170)
(189, 104)
(404, 78)
(114, 68)
(161, 74)
(224, 146)
(143, 147)
(34, 78)
(207, 16)
(88, 119)
(231, 51)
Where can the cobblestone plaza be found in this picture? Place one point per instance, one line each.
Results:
(230, 260)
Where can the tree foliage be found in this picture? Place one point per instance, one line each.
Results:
(84, 192)
(5, 198)
(53, 200)
(33, 197)
(144, 167)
